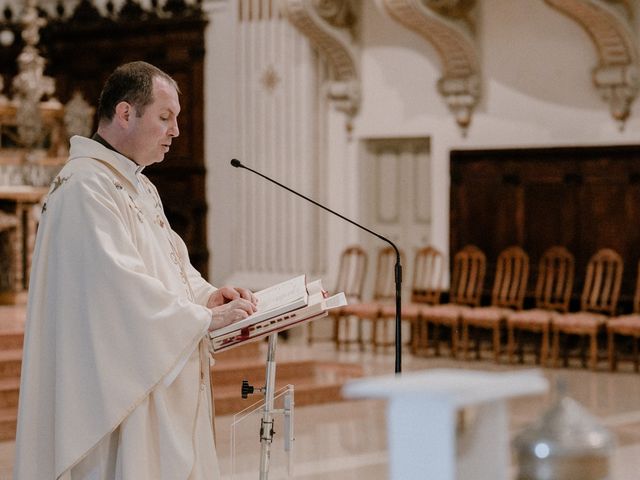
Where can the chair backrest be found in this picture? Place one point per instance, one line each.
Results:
(467, 279)
(555, 279)
(428, 270)
(384, 288)
(352, 272)
(602, 282)
(510, 283)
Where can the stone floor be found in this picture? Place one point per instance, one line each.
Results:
(347, 440)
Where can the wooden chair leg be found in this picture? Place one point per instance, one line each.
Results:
(336, 331)
(511, 342)
(636, 362)
(613, 364)
(593, 351)
(583, 349)
(477, 334)
(455, 332)
(361, 334)
(544, 347)
(465, 340)
(423, 340)
(555, 350)
(520, 345)
(436, 338)
(374, 335)
(496, 342)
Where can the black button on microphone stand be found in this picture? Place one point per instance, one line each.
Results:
(398, 267)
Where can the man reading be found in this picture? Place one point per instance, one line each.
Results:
(115, 375)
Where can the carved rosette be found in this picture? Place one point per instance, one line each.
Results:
(448, 26)
(609, 24)
(329, 25)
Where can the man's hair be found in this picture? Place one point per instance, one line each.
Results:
(131, 83)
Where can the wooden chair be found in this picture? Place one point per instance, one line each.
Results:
(553, 292)
(467, 279)
(426, 288)
(351, 275)
(384, 292)
(625, 326)
(509, 287)
(599, 300)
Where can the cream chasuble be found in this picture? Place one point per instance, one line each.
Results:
(115, 380)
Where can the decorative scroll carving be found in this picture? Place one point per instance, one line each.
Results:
(330, 26)
(448, 25)
(608, 23)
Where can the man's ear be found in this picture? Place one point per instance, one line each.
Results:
(124, 112)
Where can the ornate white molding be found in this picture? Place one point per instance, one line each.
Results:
(330, 26)
(448, 25)
(609, 24)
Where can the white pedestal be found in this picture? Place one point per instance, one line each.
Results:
(422, 419)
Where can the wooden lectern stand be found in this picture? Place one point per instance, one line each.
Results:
(422, 420)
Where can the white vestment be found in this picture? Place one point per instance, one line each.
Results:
(115, 375)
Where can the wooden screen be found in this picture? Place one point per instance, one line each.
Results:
(584, 198)
(84, 45)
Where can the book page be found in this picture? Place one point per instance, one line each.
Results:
(283, 293)
(275, 300)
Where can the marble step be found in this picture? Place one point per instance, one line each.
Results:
(9, 389)
(253, 371)
(10, 363)
(8, 421)
(314, 382)
(11, 339)
(229, 402)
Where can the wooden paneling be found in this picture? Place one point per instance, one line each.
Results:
(584, 198)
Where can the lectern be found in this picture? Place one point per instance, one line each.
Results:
(429, 437)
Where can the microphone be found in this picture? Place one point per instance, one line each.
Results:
(398, 267)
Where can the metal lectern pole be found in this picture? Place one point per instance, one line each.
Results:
(266, 426)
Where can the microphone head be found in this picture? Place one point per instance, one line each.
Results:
(235, 163)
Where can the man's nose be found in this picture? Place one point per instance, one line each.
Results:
(174, 131)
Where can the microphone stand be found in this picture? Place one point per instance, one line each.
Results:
(398, 267)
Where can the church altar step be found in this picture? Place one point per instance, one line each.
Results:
(315, 382)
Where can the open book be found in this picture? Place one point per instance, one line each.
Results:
(280, 307)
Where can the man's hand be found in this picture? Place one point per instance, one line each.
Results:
(225, 295)
(231, 312)
(230, 305)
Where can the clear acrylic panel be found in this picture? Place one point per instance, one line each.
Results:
(250, 458)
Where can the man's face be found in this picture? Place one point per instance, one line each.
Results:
(150, 135)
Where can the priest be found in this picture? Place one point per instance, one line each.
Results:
(115, 374)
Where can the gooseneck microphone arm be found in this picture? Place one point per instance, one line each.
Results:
(398, 267)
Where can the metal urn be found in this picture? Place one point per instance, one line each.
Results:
(565, 443)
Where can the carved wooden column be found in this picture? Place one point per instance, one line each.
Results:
(450, 28)
(609, 25)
